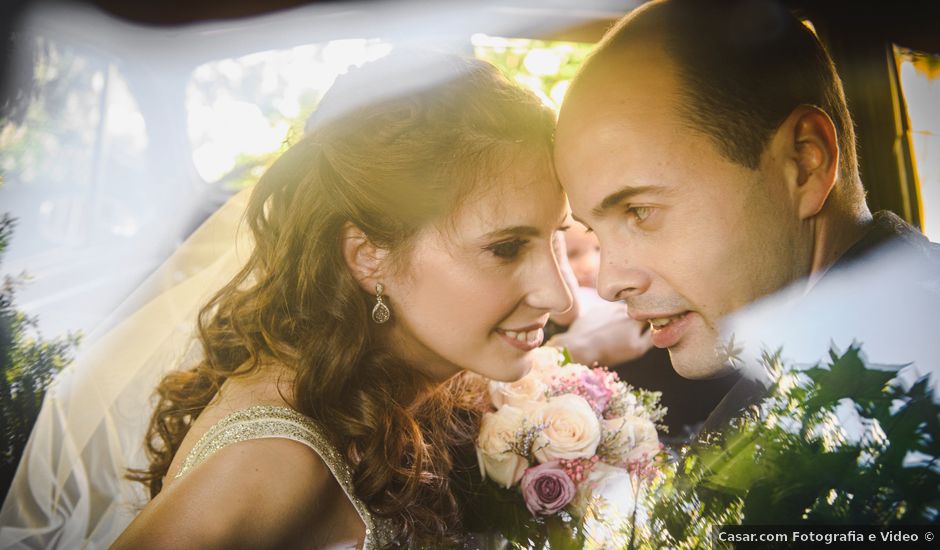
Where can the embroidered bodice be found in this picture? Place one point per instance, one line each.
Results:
(265, 421)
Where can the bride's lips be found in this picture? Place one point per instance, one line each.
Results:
(666, 329)
(531, 336)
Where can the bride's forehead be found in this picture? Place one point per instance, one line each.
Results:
(532, 201)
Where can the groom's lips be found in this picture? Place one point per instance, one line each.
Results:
(669, 334)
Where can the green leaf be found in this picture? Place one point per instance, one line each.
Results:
(846, 378)
(734, 468)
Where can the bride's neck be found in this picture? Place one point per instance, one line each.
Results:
(418, 356)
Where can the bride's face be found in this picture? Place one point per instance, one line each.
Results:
(476, 292)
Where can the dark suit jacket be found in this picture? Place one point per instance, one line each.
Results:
(886, 228)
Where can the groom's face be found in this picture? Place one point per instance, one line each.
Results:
(687, 236)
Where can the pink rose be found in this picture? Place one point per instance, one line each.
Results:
(547, 489)
(595, 390)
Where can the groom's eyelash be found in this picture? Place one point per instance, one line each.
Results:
(639, 212)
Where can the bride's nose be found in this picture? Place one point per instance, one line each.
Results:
(548, 290)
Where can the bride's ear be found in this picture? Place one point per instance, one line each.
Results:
(363, 259)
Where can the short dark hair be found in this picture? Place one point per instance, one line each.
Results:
(744, 65)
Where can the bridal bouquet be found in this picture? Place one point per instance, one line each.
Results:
(565, 433)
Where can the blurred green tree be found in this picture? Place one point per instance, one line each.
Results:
(545, 67)
(28, 363)
(792, 462)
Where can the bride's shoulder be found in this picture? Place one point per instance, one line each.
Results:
(260, 490)
(237, 394)
(248, 470)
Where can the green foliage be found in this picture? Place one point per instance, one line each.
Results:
(847, 378)
(27, 365)
(502, 513)
(53, 114)
(260, 80)
(544, 67)
(792, 463)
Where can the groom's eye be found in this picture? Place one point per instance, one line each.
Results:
(507, 249)
(639, 213)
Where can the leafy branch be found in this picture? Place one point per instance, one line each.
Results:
(793, 461)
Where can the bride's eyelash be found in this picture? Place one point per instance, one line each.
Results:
(507, 250)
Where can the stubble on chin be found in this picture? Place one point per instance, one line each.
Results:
(700, 357)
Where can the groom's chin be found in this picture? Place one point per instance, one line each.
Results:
(698, 360)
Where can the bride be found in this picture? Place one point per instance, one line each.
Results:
(402, 242)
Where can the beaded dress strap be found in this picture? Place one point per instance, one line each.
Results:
(266, 421)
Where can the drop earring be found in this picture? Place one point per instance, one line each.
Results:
(380, 313)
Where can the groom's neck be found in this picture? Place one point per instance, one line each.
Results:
(835, 233)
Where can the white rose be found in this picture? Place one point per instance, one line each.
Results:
(630, 438)
(607, 489)
(571, 429)
(524, 393)
(497, 434)
(630, 406)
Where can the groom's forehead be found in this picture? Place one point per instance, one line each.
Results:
(617, 147)
(620, 77)
(617, 109)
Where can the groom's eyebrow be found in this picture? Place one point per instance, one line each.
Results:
(623, 194)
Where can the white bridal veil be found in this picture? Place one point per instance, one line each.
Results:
(70, 489)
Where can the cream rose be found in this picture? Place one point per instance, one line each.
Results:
(571, 429)
(607, 489)
(546, 363)
(524, 393)
(572, 368)
(497, 434)
(629, 438)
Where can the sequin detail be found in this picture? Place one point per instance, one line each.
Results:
(263, 421)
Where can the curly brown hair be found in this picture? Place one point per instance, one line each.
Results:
(389, 164)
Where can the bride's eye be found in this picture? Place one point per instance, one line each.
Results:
(507, 250)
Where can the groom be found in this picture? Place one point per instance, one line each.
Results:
(709, 146)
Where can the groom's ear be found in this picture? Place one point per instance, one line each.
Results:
(811, 146)
(363, 258)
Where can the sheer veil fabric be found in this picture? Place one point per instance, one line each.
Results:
(70, 489)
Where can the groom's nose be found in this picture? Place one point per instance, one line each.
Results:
(619, 278)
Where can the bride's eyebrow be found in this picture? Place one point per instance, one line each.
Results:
(514, 231)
